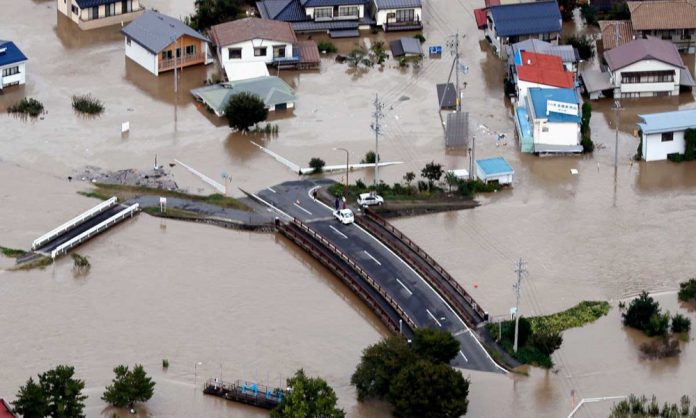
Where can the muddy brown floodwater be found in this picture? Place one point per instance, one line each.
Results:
(253, 306)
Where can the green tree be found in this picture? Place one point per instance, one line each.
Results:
(546, 341)
(58, 395)
(680, 323)
(566, 7)
(211, 12)
(640, 311)
(425, 389)
(317, 164)
(435, 345)
(370, 158)
(409, 177)
(129, 387)
(687, 290)
(690, 144)
(583, 43)
(379, 365)
(451, 179)
(244, 110)
(309, 397)
(432, 172)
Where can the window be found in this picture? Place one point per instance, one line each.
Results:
(166, 55)
(110, 9)
(667, 136)
(10, 71)
(405, 15)
(178, 52)
(323, 12)
(279, 52)
(260, 51)
(349, 11)
(633, 77)
(128, 41)
(74, 9)
(126, 6)
(190, 49)
(234, 53)
(94, 12)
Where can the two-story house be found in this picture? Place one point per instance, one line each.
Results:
(91, 14)
(670, 20)
(647, 67)
(339, 18)
(394, 15)
(12, 65)
(540, 70)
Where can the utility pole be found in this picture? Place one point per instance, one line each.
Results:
(616, 108)
(453, 45)
(377, 127)
(521, 270)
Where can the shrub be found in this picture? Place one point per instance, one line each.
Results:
(660, 348)
(690, 144)
(80, 263)
(422, 186)
(369, 158)
(687, 290)
(587, 144)
(547, 341)
(244, 110)
(27, 106)
(360, 184)
(680, 324)
(589, 13)
(317, 164)
(356, 56)
(420, 37)
(583, 43)
(87, 104)
(658, 325)
(378, 53)
(640, 311)
(165, 363)
(327, 47)
(675, 157)
(639, 151)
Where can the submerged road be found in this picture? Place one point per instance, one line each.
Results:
(415, 296)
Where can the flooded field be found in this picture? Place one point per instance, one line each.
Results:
(190, 293)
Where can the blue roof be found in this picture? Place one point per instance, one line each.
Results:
(494, 166)
(541, 96)
(12, 54)
(285, 10)
(526, 18)
(668, 121)
(91, 3)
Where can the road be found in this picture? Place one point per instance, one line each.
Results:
(420, 301)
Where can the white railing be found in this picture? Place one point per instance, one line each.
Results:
(73, 222)
(63, 248)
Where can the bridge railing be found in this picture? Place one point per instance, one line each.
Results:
(298, 235)
(434, 264)
(43, 239)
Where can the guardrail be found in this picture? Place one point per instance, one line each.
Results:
(106, 205)
(434, 264)
(75, 241)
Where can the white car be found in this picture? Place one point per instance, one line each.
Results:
(369, 199)
(345, 216)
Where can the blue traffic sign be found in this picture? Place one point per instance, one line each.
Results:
(435, 50)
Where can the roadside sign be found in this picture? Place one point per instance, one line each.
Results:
(435, 51)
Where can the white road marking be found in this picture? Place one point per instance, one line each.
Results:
(373, 259)
(433, 316)
(404, 286)
(308, 212)
(270, 189)
(338, 232)
(465, 359)
(462, 332)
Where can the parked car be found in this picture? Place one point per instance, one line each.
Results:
(345, 216)
(369, 199)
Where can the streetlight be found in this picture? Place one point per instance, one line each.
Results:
(345, 190)
(195, 371)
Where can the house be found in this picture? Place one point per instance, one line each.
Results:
(662, 134)
(647, 67)
(616, 33)
(597, 84)
(338, 18)
(568, 55)
(12, 65)
(549, 121)
(494, 170)
(406, 47)
(274, 92)
(540, 70)
(671, 20)
(6, 410)
(395, 15)
(92, 14)
(158, 42)
(511, 23)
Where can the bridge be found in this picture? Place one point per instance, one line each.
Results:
(399, 281)
(81, 228)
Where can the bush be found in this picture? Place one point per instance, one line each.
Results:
(244, 110)
(675, 157)
(687, 290)
(80, 263)
(87, 104)
(420, 37)
(317, 164)
(658, 325)
(378, 53)
(546, 341)
(583, 313)
(327, 47)
(165, 363)
(680, 324)
(370, 158)
(587, 144)
(639, 151)
(27, 106)
(660, 348)
(690, 144)
(583, 43)
(640, 311)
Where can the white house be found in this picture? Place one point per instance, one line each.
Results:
(159, 42)
(339, 18)
(393, 15)
(494, 170)
(550, 121)
(647, 67)
(663, 133)
(540, 70)
(12, 65)
(92, 14)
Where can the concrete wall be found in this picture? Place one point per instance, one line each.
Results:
(142, 56)
(381, 15)
(654, 149)
(556, 133)
(646, 89)
(14, 78)
(248, 51)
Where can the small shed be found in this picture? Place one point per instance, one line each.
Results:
(446, 96)
(494, 170)
(457, 130)
(405, 47)
(596, 83)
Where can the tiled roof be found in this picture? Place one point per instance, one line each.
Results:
(609, 29)
(663, 14)
(540, 98)
(544, 69)
(397, 4)
(155, 31)
(668, 121)
(241, 30)
(11, 53)
(642, 49)
(285, 10)
(526, 18)
(321, 3)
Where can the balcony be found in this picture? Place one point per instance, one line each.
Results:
(397, 25)
(185, 61)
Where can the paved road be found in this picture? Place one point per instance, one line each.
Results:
(415, 296)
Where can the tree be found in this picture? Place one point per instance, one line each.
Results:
(451, 179)
(436, 345)
(379, 365)
(308, 397)
(425, 389)
(317, 164)
(409, 177)
(244, 110)
(370, 158)
(547, 341)
(58, 395)
(583, 43)
(211, 12)
(129, 387)
(432, 172)
(566, 7)
(640, 311)
(687, 290)
(680, 323)
(690, 144)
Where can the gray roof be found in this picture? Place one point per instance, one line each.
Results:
(668, 121)
(405, 46)
(457, 130)
(155, 31)
(449, 101)
(643, 49)
(566, 52)
(272, 90)
(595, 80)
(397, 4)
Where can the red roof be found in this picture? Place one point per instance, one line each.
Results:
(544, 69)
(481, 19)
(5, 410)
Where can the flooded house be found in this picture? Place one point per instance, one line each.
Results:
(540, 70)
(92, 14)
(12, 65)
(159, 42)
(494, 170)
(672, 20)
(663, 133)
(338, 18)
(568, 55)
(395, 15)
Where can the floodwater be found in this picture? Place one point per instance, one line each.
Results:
(253, 306)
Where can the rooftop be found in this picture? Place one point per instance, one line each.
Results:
(405, 46)
(272, 90)
(566, 52)
(540, 98)
(526, 18)
(609, 30)
(285, 10)
(10, 54)
(543, 69)
(320, 3)
(678, 120)
(663, 14)
(6, 410)
(155, 31)
(643, 49)
(397, 4)
(249, 28)
(494, 166)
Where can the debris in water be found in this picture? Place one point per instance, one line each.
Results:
(573, 171)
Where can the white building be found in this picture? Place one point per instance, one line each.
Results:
(540, 70)
(12, 65)
(550, 121)
(494, 170)
(647, 67)
(663, 133)
(92, 14)
(393, 15)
